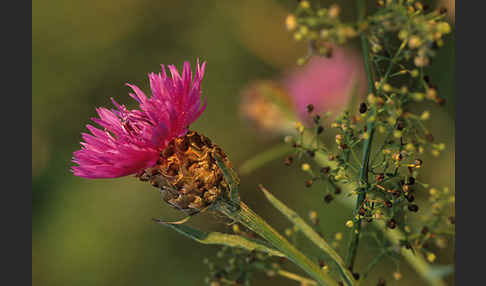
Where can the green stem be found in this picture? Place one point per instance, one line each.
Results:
(252, 221)
(263, 158)
(373, 263)
(303, 281)
(363, 174)
(417, 262)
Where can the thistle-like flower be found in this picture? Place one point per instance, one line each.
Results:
(153, 142)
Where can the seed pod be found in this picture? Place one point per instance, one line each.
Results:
(187, 173)
(413, 208)
(391, 223)
(363, 108)
(308, 183)
(328, 198)
(410, 198)
(325, 170)
(400, 125)
(310, 108)
(388, 204)
(452, 220)
(320, 129)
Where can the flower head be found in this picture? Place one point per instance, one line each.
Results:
(132, 140)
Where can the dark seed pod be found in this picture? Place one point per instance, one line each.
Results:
(413, 208)
(452, 220)
(316, 118)
(381, 282)
(410, 198)
(411, 181)
(337, 190)
(400, 125)
(388, 204)
(311, 153)
(363, 108)
(325, 170)
(320, 129)
(310, 108)
(328, 198)
(424, 230)
(356, 276)
(391, 223)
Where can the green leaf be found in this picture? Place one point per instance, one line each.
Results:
(222, 239)
(310, 233)
(264, 158)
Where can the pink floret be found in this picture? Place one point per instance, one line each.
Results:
(131, 140)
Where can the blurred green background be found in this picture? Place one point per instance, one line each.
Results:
(99, 232)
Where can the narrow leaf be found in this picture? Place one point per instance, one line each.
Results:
(222, 239)
(310, 233)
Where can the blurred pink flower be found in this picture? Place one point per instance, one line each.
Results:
(133, 139)
(327, 83)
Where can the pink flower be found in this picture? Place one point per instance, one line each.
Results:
(327, 83)
(131, 140)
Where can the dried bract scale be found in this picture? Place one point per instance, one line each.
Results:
(187, 173)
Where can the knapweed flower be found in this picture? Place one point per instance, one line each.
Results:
(154, 141)
(326, 83)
